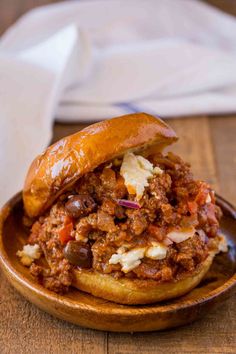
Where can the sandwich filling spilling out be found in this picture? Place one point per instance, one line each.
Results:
(134, 217)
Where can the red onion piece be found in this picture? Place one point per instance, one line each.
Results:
(202, 235)
(128, 204)
(178, 236)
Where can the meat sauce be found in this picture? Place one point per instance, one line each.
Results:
(88, 220)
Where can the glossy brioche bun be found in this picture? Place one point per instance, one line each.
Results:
(63, 163)
(136, 292)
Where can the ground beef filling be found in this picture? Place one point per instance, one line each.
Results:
(89, 221)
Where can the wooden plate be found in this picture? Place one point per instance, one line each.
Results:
(88, 311)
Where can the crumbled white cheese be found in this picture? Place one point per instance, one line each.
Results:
(131, 259)
(178, 236)
(208, 198)
(136, 170)
(81, 238)
(156, 251)
(29, 254)
(157, 170)
(222, 247)
(128, 260)
(32, 251)
(121, 250)
(124, 248)
(202, 235)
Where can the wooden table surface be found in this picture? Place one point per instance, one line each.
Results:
(209, 144)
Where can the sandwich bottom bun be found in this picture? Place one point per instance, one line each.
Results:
(136, 292)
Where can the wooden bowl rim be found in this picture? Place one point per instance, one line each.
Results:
(129, 310)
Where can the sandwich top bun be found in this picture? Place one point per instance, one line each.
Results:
(63, 163)
(97, 248)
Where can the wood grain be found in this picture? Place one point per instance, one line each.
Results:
(223, 137)
(25, 329)
(195, 146)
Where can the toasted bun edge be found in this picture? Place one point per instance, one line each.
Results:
(64, 162)
(136, 292)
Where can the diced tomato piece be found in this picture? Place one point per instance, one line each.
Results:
(202, 194)
(192, 207)
(68, 220)
(65, 233)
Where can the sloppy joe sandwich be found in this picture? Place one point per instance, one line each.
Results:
(112, 215)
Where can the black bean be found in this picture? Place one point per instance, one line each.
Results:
(79, 254)
(80, 205)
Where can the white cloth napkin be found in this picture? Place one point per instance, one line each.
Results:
(89, 60)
